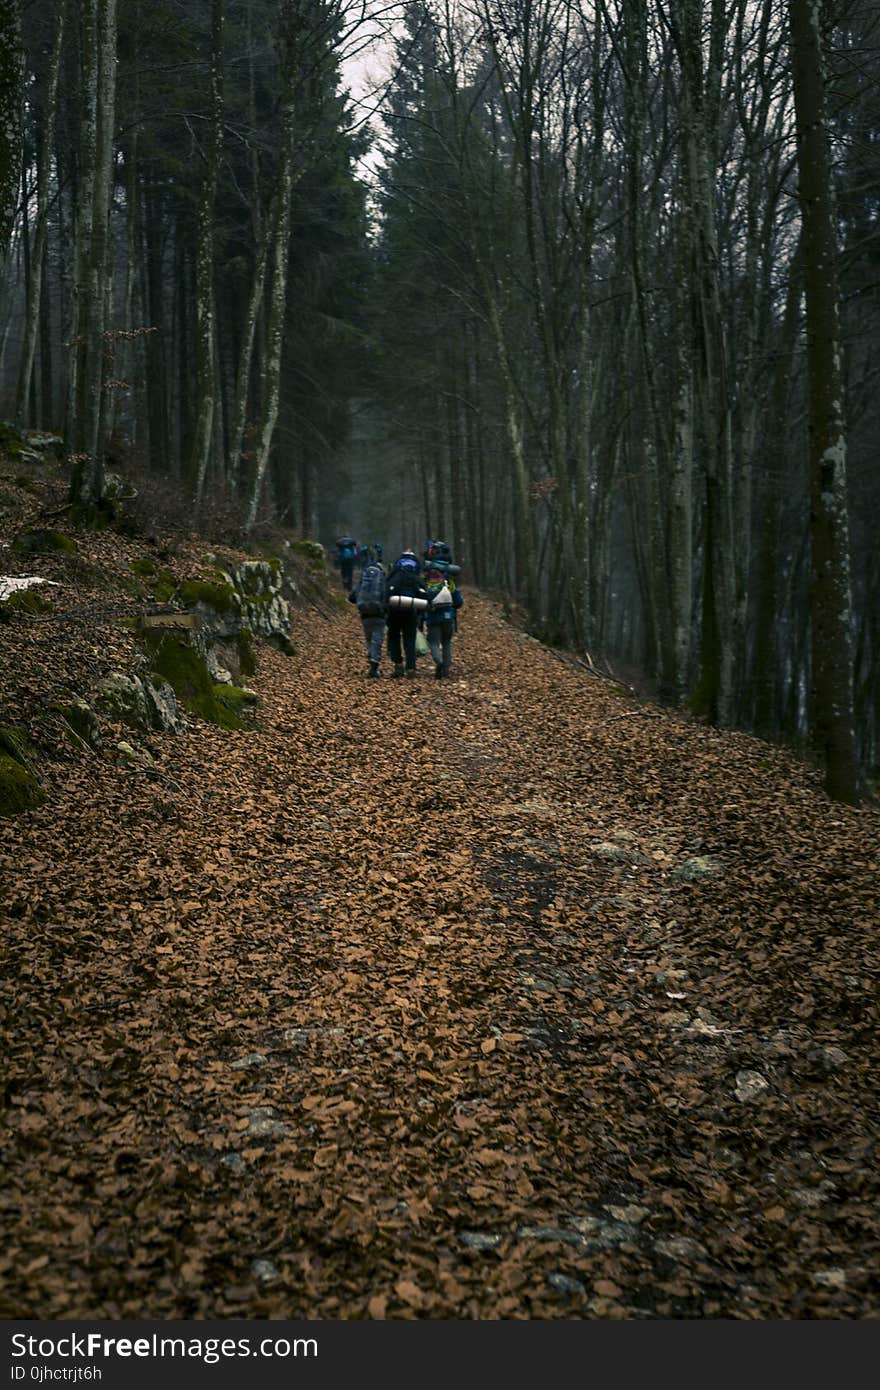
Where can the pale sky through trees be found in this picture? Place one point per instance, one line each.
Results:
(366, 69)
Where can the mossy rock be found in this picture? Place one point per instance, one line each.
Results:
(82, 720)
(311, 551)
(16, 744)
(247, 659)
(188, 675)
(221, 597)
(19, 789)
(24, 601)
(236, 702)
(45, 542)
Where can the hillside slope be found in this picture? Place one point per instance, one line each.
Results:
(496, 998)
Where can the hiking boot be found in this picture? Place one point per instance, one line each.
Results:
(374, 669)
(438, 671)
(398, 669)
(410, 670)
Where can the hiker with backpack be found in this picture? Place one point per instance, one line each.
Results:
(371, 597)
(346, 554)
(444, 599)
(407, 604)
(441, 620)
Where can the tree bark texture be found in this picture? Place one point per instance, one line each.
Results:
(831, 692)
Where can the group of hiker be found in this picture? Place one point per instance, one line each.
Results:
(416, 601)
(348, 554)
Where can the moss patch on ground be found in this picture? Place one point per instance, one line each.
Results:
(44, 542)
(24, 601)
(160, 582)
(19, 788)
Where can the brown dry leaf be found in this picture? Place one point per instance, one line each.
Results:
(410, 1293)
(489, 1157)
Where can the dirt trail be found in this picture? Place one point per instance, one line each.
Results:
(498, 997)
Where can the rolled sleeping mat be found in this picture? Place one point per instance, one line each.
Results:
(406, 602)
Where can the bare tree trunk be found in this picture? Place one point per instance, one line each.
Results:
(280, 237)
(11, 119)
(205, 308)
(93, 249)
(831, 691)
(44, 157)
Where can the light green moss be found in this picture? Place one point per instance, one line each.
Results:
(220, 597)
(145, 567)
(187, 674)
(235, 703)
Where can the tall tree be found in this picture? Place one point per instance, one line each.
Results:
(205, 306)
(831, 604)
(94, 260)
(11, 118)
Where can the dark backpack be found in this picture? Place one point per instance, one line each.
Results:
(405, 585)
(346, 547)
(370, 593)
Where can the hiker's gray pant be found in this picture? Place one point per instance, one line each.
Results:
(440, 642)
(374, 636)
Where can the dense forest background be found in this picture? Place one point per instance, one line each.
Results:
(553, 303)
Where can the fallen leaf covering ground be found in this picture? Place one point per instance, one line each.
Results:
(501, 997)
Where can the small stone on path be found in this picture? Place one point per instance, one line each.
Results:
(750, 1085)
(479, 1240)
(564, 1283)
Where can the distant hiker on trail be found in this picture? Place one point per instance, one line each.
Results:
(346, 554)
(371, 597)
(444, 600)
(407, 601)
(365, 557)
(377, 551)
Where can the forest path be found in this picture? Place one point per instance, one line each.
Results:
(498, 997)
